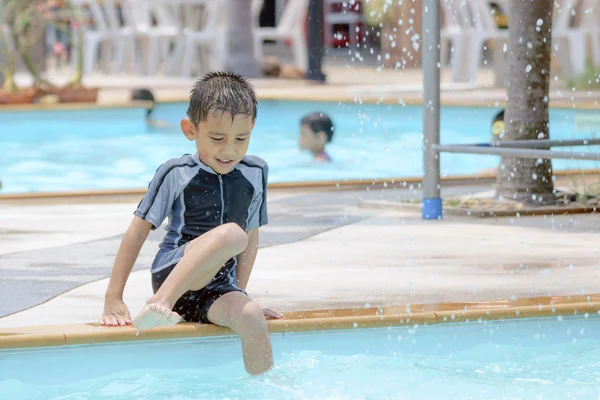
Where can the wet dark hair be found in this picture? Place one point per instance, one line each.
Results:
(224, 92)
(317, 122)
(144, 95)
(499, 116)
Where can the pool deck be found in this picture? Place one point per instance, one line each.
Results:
(319, 252)
(345, 82)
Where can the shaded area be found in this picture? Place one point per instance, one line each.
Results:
(33, 277)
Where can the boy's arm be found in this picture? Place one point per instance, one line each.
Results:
(245, 260)
(115, 311)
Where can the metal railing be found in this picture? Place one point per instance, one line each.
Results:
(521, 152)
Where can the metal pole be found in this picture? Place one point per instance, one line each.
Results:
(545, 143)
(432, 202)
(315, 41)
(521, 153)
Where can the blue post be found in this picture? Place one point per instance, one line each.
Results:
(432, 202)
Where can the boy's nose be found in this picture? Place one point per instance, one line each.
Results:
(226, 154)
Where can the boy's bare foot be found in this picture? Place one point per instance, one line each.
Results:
(155, 314)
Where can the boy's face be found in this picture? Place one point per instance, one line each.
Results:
(310, 141)
(221, 142)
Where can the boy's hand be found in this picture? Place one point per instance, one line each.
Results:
(115, 313)
(271, 314)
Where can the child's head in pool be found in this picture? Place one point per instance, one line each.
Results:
(144, 95)
(220, 118)
(316, 130)
(498, 125)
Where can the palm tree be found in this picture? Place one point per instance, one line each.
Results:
(530, 25)
(240, 42)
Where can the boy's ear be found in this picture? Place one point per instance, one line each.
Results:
(188, 129)
(322, 137)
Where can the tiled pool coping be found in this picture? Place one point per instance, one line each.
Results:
(349, 184)
(319, 320)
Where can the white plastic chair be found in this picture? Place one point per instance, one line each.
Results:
(108, 31)
(201, 29)
(156, 40)
(569, 40)
(591, 26)
(290, 27)
(483, 29)
(256, 8)
(454, 32)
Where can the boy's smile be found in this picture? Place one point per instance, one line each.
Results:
(221, 141)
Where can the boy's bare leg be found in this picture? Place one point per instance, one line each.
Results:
(202, 259)
(240, 313)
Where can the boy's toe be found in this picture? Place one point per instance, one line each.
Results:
(174, 318)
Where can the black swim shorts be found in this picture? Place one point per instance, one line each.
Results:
(193, 305)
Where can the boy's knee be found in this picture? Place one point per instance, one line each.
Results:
(251, 323)
(234, 237)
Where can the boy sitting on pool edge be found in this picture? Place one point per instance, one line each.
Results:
(215, 200)
(316, 130)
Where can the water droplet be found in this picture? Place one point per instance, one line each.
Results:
(540, 22)
(528, 68)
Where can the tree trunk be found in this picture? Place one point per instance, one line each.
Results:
(240, 40)
(527, 180)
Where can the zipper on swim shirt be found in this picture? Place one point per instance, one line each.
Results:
(222, 198)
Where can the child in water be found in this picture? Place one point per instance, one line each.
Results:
(147, 95)
(316, 130)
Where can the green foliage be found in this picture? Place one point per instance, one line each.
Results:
(589, 80)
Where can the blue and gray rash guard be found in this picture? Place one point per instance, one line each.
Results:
(196, 199)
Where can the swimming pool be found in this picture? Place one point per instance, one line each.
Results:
(544, 358)
(112, 149)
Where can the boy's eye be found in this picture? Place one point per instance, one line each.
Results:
(216, 139)
(241, 139)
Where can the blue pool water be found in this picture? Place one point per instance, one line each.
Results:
(112, 149)
(553, 358)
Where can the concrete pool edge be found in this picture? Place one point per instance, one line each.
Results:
(315, 320)
(349, 184)
(75, 106)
